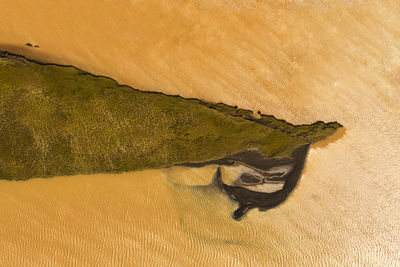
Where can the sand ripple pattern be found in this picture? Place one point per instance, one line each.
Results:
(299, 60)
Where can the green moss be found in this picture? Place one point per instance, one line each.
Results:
(57, 120)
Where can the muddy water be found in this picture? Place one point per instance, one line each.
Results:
(299, 60)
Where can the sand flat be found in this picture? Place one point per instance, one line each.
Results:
(301, 61)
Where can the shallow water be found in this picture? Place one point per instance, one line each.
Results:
(299, 60)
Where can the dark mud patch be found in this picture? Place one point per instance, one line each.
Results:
(242, 193)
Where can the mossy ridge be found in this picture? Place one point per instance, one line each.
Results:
(58, 120)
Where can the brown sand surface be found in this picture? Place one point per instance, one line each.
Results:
(300, 60)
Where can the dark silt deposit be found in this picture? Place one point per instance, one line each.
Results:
(247, 189)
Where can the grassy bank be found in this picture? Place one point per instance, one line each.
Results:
(58, 120)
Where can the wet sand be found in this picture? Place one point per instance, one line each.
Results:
(300, 61)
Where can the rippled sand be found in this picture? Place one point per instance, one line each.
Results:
(299, 60)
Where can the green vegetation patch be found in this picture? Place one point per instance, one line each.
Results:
(58, 120)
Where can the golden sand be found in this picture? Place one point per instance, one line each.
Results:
(299, 60)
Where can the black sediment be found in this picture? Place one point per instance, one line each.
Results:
(248, 199)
